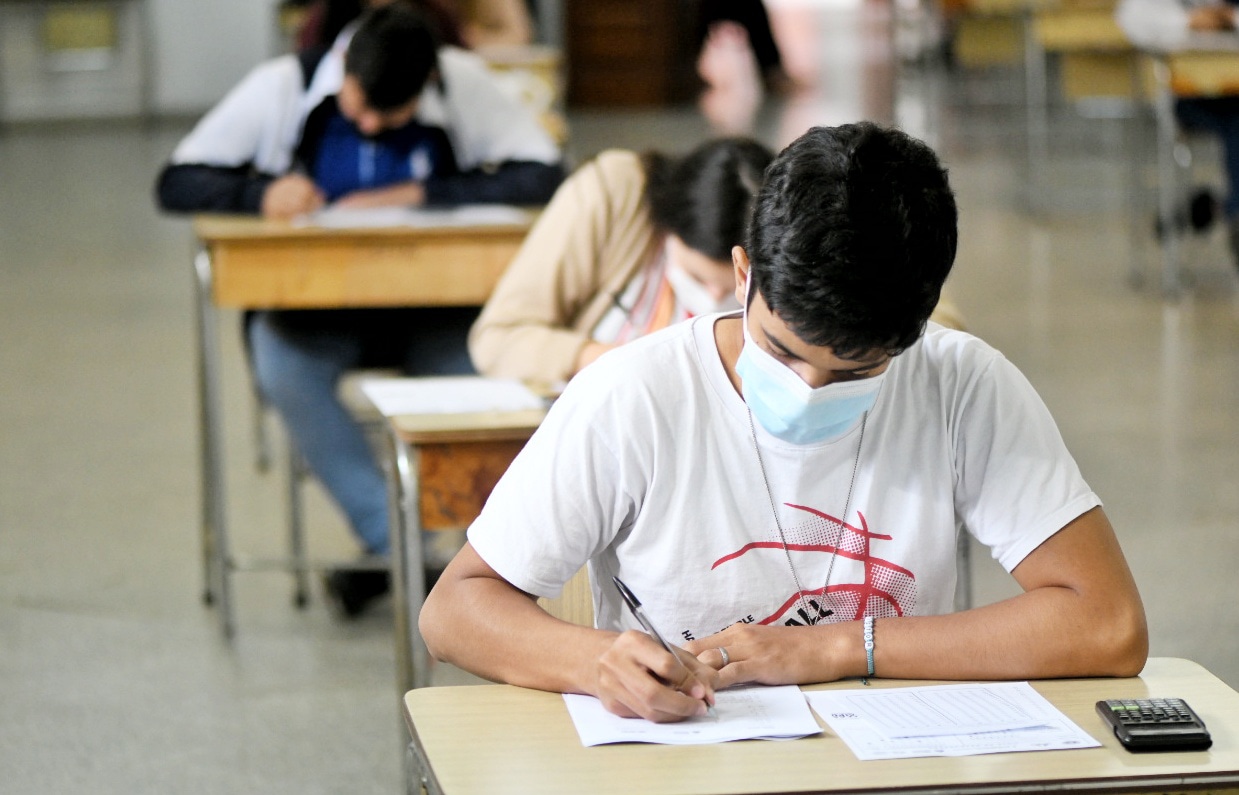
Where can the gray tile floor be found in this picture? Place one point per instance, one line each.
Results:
(113, 675)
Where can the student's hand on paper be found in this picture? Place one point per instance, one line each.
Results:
(404, 194)
(637, 678)
(767, 655)
(291, 195)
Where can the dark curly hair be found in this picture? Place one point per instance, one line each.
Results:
(853, 234)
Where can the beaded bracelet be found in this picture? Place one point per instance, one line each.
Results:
(869, 643)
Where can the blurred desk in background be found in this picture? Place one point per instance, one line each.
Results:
(1207, 67)
(250, 263)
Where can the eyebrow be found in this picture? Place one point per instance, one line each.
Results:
(785, 351)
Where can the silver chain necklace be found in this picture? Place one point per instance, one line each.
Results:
(800, 591)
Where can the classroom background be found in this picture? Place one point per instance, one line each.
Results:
(114, 677)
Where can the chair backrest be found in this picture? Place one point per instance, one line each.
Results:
(575, 604)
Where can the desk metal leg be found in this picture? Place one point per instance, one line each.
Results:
(214, 521)
(1137, 149)
(1167, 178)
(1036, 103)
(407, 569)
(963, 571)
(419, 779)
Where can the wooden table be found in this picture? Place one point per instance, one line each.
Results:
(445, 466)
(499, 738)
(250, 263)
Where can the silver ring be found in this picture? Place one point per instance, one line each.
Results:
(723, 653)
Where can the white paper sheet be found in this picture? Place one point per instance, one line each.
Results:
(463, 394)
(947, 720)
(416, 217)
(744, 713)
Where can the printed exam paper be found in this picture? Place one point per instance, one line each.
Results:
(744, 713)
(947, 720)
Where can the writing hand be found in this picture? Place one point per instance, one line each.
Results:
(291, 195)
(638, 678)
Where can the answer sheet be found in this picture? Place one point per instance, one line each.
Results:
(744, 713)
(947, 720)
(465, 215)
(449, 394)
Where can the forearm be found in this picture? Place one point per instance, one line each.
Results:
(530, 350)
(488, 628)
(508, 183)
(1050, 633)
(1080, 614)
(402, 194)
(199, 188)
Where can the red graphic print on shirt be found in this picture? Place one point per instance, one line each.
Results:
(887, 589)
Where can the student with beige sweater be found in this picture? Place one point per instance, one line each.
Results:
(629, 243)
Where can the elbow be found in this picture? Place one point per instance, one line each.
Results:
(1136, 650)
(1121, 646)
(429, 623)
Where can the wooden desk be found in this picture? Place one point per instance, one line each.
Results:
(445, 466)
(249, 263)
(498, 738)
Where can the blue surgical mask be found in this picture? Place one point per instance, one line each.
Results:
(789, 408)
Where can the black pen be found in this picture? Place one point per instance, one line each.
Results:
(634, 606)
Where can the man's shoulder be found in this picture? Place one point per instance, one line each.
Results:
(282, 67)
(620, 167)
(649, 365)
(942, 344)
(461, 63)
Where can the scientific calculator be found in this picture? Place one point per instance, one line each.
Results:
(1155, 724)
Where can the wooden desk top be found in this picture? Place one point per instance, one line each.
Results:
(1207, 67)
(498, 738)
(489, 426)
(263, 264)
(1080, 29)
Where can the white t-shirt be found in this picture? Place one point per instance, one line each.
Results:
(645, 468)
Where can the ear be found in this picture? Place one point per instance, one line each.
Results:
(740, 266)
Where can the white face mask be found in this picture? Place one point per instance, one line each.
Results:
(789, 408)
(694, 296)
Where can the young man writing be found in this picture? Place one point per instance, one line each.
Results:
(392, 120)
(772, 484)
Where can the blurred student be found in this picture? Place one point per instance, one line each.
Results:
(629, 244)
(393, 119)
(1165, 25)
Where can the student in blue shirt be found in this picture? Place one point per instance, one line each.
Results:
(386, 117)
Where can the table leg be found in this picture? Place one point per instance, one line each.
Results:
(1136, 152)
(214, 522)
(419, 780)
(963, 569)
(1167, 177)
(407, 569)
(1036, 104)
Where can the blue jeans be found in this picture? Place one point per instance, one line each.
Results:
(1220, 116)
(298, 359)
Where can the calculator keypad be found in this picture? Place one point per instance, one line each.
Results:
(1134, 712)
